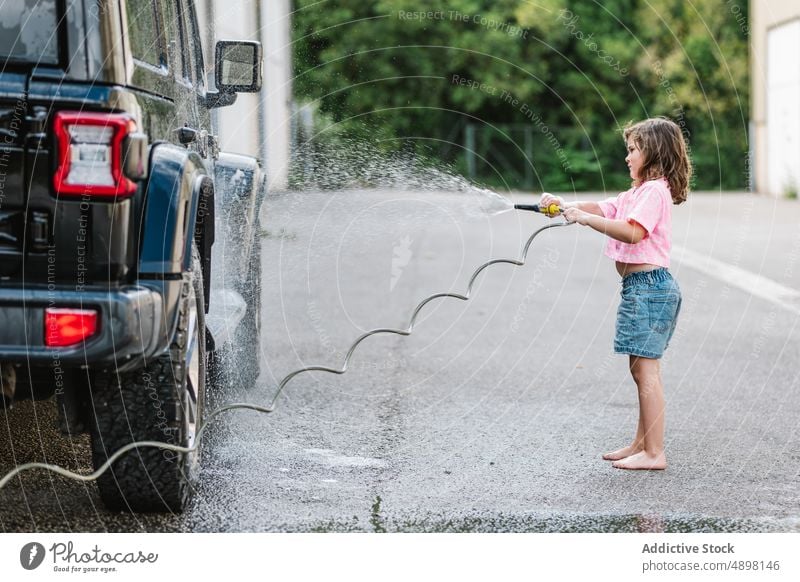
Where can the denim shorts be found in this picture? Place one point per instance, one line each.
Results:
(647, 314)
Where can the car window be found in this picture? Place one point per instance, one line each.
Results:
(29, 31)
(174, 10)
(171, 33)
(144, 32)
(192, 53)
(197, 47)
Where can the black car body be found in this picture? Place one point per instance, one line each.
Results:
(112, 194)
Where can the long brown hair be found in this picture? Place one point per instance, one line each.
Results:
(664, 153)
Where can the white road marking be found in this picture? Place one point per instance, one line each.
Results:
(756, 285)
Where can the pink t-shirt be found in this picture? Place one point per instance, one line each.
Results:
(650, 205)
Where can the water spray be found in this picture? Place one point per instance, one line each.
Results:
(551, 210)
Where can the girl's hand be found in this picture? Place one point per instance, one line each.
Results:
(575, 215)
(548, 199)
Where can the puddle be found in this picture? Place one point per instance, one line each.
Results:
(330, 458)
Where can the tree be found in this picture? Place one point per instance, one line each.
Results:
(554, 78)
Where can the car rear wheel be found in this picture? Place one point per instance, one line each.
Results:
(161, 401)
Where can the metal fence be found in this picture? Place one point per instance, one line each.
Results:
(526, 156)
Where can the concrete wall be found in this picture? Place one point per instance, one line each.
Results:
(775, 95)
(276, 38)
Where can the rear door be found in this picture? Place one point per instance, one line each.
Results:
(13, 110)
(47, 239)
(32, 45)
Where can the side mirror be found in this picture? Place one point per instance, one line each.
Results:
(238, 66)
(237, 69)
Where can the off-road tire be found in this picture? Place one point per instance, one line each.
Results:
(153, 403)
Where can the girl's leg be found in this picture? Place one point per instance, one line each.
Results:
(638, 440)
(633, 448)
(646, 373)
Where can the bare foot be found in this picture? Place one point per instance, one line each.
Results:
(642, 460)
(622, 453)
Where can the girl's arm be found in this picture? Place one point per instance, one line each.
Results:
(621, 230)
(590, 207)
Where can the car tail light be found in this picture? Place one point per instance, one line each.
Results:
(66, 327)
(90, 153)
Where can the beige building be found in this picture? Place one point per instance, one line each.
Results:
(775, 96)
(257, 124)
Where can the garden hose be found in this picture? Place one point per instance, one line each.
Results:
(550, 211)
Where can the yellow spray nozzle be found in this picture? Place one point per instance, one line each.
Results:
(551, 210)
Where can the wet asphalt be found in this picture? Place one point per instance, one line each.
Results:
(493, 414)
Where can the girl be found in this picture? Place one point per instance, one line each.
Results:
(639, 226)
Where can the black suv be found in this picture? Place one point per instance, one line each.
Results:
(110, 182)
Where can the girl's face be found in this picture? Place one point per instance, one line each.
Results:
(634, 159)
